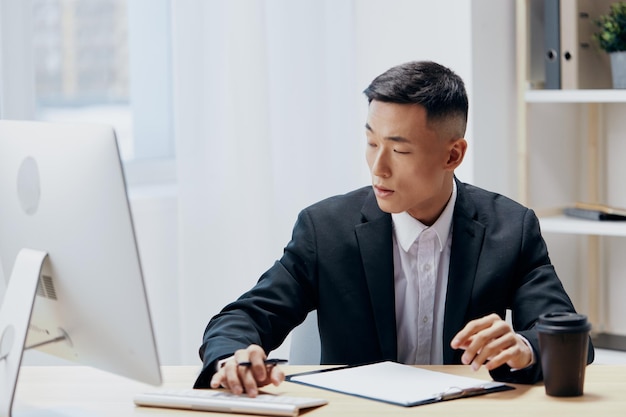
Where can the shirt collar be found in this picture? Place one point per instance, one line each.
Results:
(408, 228)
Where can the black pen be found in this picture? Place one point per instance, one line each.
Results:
(267, 362)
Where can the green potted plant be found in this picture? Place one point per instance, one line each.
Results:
(611, 37)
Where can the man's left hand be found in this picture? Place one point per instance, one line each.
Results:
(491, 341)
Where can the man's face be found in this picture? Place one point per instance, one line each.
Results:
(410, 164)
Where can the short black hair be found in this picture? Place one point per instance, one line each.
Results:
(437, 88)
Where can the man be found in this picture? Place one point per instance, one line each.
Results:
(417, 268)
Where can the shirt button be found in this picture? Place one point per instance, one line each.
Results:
(427, 267)
(425, 319)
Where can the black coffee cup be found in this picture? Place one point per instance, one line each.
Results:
(563, 345)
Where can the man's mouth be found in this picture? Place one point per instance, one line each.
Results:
(382, 191)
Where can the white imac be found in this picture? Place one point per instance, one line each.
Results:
(67, 246)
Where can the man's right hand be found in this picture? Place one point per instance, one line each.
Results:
(248, 379)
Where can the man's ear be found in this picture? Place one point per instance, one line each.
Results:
(456, 153)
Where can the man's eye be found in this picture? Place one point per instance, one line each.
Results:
(401, 152)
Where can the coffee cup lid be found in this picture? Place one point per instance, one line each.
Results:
(563, 321)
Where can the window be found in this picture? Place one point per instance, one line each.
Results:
(105, 61)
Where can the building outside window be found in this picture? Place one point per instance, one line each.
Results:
(94, 61)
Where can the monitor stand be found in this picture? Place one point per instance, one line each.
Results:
(15, 314)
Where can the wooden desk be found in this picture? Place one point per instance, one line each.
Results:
(97, 393)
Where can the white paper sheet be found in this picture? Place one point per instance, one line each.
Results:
(396, 383)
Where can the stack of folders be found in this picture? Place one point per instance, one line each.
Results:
(595, 212)
(572, 60)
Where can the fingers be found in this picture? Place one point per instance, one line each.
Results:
(517, 354)
(239, 379)
(251, 376)
(492, 350)
(490, 341)
(464, 337)
(277, 376)
(486, 343)
(227, 377)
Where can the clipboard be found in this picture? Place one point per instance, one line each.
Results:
(397, 384)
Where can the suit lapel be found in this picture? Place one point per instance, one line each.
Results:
(467, 240)
(374, 236)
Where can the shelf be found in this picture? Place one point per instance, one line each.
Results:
(575, 96)
(594, 113)
(569, 225)
(609, 341)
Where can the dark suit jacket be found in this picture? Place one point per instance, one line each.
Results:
(340, 262)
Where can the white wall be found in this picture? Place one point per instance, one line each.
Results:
(493, 96)
(155, 215)
(265, 125)
(396, 31)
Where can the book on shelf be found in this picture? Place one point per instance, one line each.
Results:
(591, 211)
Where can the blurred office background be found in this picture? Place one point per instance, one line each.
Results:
(233, 115)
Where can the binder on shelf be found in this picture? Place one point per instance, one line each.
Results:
(583, 64)
(552, 44)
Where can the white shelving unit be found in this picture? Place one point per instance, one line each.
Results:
(575, 96)
(568, 225)
(586, 119)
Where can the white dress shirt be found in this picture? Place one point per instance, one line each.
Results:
(421, 258)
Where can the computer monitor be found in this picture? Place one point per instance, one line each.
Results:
(67, 245)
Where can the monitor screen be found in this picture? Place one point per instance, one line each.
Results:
(63, 194)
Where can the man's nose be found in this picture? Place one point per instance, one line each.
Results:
(380, 167)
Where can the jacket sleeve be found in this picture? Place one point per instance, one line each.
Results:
(266, 314)
(538, 291)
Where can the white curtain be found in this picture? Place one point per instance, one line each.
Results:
(266, 123)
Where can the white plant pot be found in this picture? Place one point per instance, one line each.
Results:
(618, 69)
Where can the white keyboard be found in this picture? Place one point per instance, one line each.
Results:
(225, 402)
